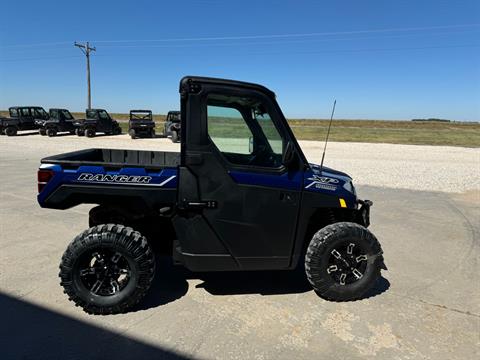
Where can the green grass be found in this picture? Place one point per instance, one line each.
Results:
(375, 131)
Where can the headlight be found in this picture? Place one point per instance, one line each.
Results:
(349, 187)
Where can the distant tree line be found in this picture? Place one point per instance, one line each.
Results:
(432, 119)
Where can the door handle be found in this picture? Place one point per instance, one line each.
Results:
(199, 205)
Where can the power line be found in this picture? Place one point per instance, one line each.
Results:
(86, 49)
(260, 36)
(273, 36)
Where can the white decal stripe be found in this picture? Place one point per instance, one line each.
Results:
(313, 182)
(166, 181)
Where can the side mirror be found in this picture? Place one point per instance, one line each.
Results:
(288, 157)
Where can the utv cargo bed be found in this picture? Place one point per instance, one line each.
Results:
(116, 158)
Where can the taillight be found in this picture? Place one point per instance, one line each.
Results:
(43, 177)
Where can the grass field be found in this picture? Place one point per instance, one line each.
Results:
(375, 131)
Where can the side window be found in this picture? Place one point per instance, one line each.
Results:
(54, 114)
(243, 131)
(67, 115)
(103, 115)
(25, 112)
(228, 130)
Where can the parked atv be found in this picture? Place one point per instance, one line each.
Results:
(141, 124)
(61, 120)
(97, 120)
(172, 126)
(22, 118)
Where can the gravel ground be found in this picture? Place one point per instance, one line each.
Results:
(426, 306)
(416, 167)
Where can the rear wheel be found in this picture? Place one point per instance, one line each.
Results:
(51, 132)
(11, 131)
(152, 133)
(343, 261)
(107, 269)
(174, 136)
(90, 132)
(117, 130)
(42, 132)
(132, 133)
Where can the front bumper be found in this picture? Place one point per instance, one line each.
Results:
(362, 215)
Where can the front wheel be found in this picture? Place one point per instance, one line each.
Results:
(79, 132)
(107, 269)
(42, 132)
(90, 132)
(51, 132)
(343, 261)
(174, 136)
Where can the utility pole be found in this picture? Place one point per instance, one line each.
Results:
(86, 49)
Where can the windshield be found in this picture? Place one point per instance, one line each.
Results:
(174, 117)
(13, 113)
(147, 116)
(67, 115)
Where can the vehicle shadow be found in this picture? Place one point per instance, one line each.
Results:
(62, 134)
(381, 286)
(30, 331)
(255, 282)
(170, 284)
(269, 283)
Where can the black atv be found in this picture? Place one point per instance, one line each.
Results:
(97, 120)
(22, 118)
(141, 124)
(61, 120)
(172, 126)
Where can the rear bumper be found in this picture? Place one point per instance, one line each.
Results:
(362, 214)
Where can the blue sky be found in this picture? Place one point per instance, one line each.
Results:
(379, 59)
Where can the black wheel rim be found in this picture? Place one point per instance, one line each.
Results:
(104, 272)
(347, 263)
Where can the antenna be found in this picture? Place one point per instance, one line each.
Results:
(328, 134)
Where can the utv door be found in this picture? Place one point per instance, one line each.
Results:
(104, 122)
(241, 202)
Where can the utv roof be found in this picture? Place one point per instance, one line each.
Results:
(189, 79)
(25, 107)
(58, 109)
(147, 111)
(174, 112)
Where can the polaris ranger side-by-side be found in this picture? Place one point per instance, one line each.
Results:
(239, 196)
(141, 124)
(172, 126)
(97, 120)
(22, 118)
(60, 120)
